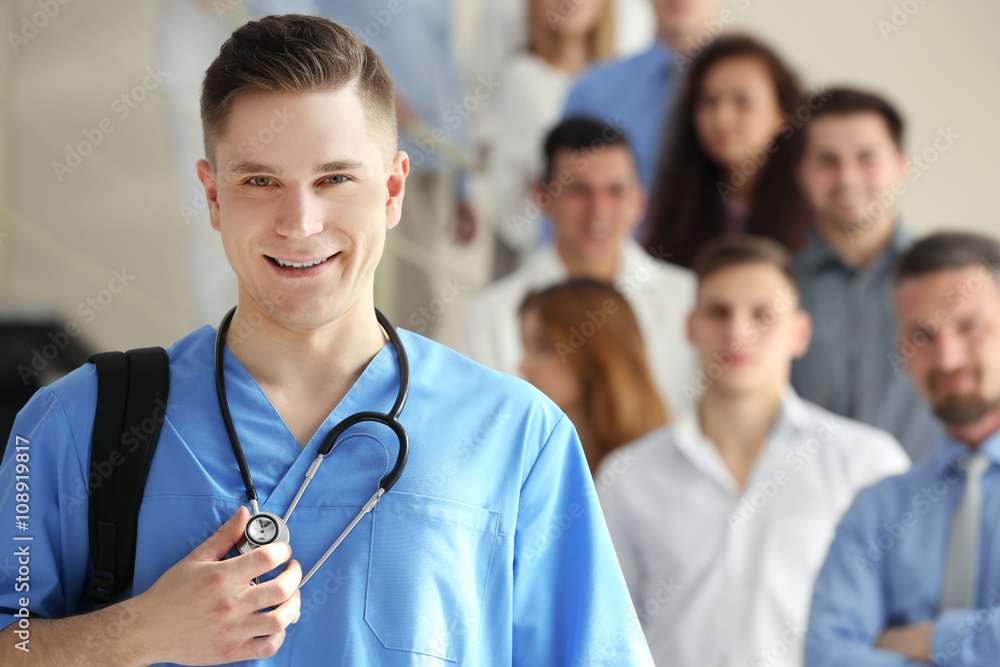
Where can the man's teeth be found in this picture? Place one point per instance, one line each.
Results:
(299, 265)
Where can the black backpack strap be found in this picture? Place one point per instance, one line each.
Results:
(132, 393)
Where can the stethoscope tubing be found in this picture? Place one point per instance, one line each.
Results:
(390, 420)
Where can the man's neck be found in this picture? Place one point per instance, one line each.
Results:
(978, 432)
(738, 425)
(679, 42)
(599, 268)
(304, 372)
(857, 247)
(572, 55)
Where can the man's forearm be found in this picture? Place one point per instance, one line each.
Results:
(110, 636)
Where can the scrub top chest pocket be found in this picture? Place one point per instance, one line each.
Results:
(427, 574)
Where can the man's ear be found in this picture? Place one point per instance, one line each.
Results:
(641, 205)
(541, 198)
(904, 167)
(207, 178)
(803, 333)
(395, 187)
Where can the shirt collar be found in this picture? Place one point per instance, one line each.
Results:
(792, 419)
(546, 265)
(662, 56)
(816, 255)
(952, 450)
(791, 413)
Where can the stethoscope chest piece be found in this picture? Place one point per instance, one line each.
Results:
(262, 528)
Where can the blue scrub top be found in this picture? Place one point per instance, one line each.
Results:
(491, 548)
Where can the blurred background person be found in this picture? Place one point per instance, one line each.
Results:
(852, 164)
(592, 196)
(564, 38)
(583, 349)
(729, 165)
(722, 519)
(500, 31)
(911, 577)
(635, 93)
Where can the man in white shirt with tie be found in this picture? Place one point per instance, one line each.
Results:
(721, 520)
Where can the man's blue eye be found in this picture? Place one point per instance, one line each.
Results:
(260, 181)
(339, 178)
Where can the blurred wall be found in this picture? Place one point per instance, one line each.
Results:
(100, 237)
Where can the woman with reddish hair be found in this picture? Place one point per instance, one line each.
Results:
(583, 349)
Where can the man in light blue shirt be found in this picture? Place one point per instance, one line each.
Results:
(635, 94)
(851, 167)
(886, 594)
(490, 549)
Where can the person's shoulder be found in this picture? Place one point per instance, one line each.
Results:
(851, 435)
(507, 292)
(525, 65)
(602, 80)
(652, 261)
(79, 387)
(194, 346)
(642, 457)
(455, 373)
(612, 69)
(889, 496)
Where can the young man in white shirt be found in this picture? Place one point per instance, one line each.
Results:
(721, 520)
(593, 197)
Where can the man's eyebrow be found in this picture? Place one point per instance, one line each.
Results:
(249, 167)
(346, 164)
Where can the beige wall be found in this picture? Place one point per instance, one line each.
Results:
(119, 208)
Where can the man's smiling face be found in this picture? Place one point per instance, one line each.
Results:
(303, 216)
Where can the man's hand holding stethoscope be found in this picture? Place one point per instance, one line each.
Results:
(205, 611)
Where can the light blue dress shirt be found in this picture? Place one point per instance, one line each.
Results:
(886, 568)
(490, 550)
(414, 42)
(851, 367)
(634, 95)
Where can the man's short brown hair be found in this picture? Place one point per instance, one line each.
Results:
(848, 101)
(728, 251)
(297, 54)
(948, 251)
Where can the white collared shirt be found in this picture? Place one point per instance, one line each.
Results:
(661, 295)
(720, 577)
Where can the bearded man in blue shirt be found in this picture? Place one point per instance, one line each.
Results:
(910, 578)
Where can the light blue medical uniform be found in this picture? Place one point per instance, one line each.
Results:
(491, 548)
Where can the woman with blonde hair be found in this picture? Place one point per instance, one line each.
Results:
(564, 38)
(583, 349)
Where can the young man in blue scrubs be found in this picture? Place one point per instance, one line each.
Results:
(490, 549)
(911, 576)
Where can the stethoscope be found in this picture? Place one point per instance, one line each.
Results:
(265, 527)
